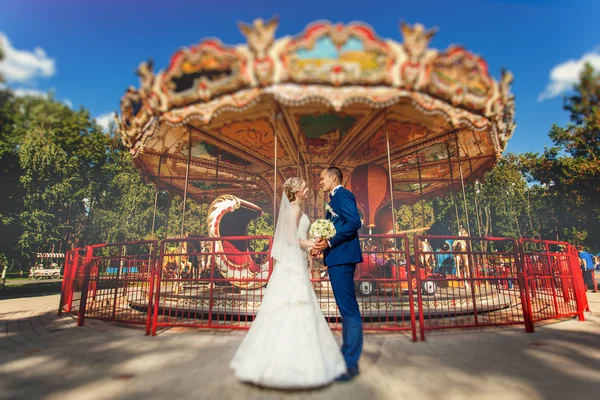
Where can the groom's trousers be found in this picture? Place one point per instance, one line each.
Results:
(342, 283)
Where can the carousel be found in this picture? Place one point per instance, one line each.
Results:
(227, 125)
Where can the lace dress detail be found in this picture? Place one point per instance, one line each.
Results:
(303, 226)
(289, 344)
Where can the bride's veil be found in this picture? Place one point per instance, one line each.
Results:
(285, 241)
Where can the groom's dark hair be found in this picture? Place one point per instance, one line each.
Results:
(337, 172)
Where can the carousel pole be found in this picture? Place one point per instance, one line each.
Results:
(187, 177)
(217, 175)
(462, 184)
(412, 207)
(245, 179)
(452, 185)
(298, 160)
(169, 211)
(156, 196)
(421, 187)
(476, 192)
(387, 141)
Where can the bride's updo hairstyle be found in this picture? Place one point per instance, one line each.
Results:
(291, 187)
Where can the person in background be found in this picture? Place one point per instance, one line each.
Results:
(587, 266)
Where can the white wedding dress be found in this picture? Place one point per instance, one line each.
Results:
(289, 345)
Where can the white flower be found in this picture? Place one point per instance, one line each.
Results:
(330, 210)
(322, 229)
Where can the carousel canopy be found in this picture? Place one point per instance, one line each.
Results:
(251, 115)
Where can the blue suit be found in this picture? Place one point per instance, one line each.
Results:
(341, 259)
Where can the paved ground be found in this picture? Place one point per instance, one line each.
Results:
(43, 356)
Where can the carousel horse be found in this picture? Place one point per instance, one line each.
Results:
(461, 259)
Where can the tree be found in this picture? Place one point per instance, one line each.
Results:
(120, 204)
(569, 172)
(60, 153)
(11, 195)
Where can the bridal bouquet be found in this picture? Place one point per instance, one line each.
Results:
(322, 229)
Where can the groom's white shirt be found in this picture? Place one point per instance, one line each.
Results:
(335, 189)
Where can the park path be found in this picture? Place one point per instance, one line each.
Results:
(44, 356)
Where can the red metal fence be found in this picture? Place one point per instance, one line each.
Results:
(119, 282)
(553, 280)
(439, 283)
(72, 283)
(210, 282)
(477, 282)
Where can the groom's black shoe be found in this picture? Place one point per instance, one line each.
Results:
(348, 376)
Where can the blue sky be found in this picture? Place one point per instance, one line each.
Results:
(86, 52)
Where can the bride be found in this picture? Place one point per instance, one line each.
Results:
(289, 345)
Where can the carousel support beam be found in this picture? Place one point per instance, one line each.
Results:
(452, 186)
(412, 208)
(420, 186)
(387, 141)
(245, 179)
(217, 174)
(417, 145)
(298, 160)
(462, 184)
(187, 177)
(156, 196)
(477, 215)
(283, 117)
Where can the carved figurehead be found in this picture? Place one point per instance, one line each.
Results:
(416, 39)
(260, 35)
(146, 73)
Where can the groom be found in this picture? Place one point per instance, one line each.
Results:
(341, 254)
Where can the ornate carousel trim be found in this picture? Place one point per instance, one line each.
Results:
(210, 78)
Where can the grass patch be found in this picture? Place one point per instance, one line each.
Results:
(30, 289)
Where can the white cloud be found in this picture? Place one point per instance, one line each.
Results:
(29, 92)
(24, 66)
(23, 92)
(104, 120)
(564, 75)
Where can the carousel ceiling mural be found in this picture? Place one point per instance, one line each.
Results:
(251, 115)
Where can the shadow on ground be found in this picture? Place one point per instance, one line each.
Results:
(58, 360)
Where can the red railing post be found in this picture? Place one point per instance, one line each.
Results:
(419, 285)
(84, 289)
(158, 277)
(411, 289)
(152, 265)
(64, 285)
(524, 289)
(473, 299)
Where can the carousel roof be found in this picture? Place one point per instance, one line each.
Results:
(328, 96)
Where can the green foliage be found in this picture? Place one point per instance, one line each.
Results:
(567, 176)
(581, 137)
(261, 226)
(498, 206)
(60, 153)
(195, 217)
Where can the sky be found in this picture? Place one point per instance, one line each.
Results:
(86, 52)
